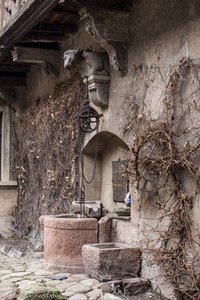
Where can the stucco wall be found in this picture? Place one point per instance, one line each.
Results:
(160, 36)
(8, 202)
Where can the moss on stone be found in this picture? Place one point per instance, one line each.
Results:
(40, 292)
(123, 211)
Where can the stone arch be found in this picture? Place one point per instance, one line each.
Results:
(110, 148)
(103, 139)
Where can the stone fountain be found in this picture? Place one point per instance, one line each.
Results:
(64, 236)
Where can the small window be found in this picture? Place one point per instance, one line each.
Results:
(5, 145)
(120, 180)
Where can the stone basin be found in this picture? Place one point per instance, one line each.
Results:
(64, 236)
(111, 261)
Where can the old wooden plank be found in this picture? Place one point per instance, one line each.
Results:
(35, 56)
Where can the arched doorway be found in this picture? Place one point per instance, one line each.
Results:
(110, 184)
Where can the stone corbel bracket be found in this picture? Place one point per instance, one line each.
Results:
(111, 30)
(98, 89)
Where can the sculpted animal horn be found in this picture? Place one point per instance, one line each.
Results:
(80, 50)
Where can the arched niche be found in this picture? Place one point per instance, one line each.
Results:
(111, 152)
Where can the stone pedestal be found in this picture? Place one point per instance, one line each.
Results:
(64, 237)
(98, 88)
(111, 261)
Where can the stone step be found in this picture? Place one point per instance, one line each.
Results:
(127, 286)
(135, 286)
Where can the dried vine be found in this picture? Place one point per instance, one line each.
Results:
(45, 149)
(161, 155)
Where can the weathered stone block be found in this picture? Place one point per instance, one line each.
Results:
(40, 292)
(111, 261)
(111, 286)
(105, 225)
(148, 295)
(135, 286)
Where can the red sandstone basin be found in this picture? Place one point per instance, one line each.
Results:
(64, 236)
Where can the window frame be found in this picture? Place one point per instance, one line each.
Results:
(5, 148)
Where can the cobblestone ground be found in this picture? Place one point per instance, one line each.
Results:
(17, 274)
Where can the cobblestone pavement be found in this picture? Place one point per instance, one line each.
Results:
(26, 275)
(17, 274)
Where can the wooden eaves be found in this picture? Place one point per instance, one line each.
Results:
(40, 22)
(29, 15)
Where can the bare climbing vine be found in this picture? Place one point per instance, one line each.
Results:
(45, 153)
(165, 153)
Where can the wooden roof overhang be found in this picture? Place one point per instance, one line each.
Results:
(28, 16)
(38, 24)
(41, 24)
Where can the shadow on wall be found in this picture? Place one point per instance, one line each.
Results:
(110, 184)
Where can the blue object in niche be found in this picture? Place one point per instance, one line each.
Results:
(127, 199)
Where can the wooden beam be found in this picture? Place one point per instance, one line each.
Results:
(29, 15)
(106, 4)
(38, 44)
(12, 81)
(42, 37)
(35, 56)
(54, 28)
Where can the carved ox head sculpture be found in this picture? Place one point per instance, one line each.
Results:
(87, 63)
(70, 57)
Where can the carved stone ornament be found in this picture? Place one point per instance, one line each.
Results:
(94, 67)
(111, 30)
(87, 63)
(98, 88)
